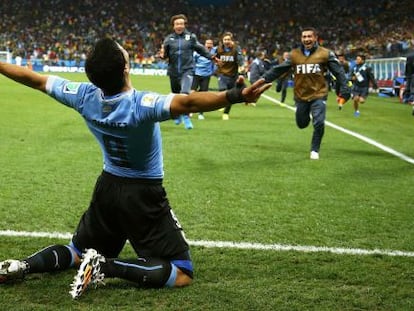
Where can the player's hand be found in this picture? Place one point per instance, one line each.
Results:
(252, 93)
(240, 93)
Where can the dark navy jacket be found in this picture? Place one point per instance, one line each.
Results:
(179, 51)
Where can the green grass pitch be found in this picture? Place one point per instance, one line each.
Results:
(246, 180)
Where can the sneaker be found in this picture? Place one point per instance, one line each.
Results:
(314, 155)
(339, 107)
(225, 116)
(201, 117)
(89, 273)
(187, 123)
(357, 113)
(12, 270)
(178, 120)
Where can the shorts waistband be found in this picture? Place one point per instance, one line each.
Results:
(129, 180)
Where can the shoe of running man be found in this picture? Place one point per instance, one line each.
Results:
(356, 114)
(201, 117)
(225, 116)
(89, 273)
(314, 155)
(12, 270)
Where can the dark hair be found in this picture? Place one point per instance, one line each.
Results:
(362, 56)
(227, 34)
(178, 16)
(313, 29)
(105, 66)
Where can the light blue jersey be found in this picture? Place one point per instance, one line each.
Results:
(204, 66)
(126, 125)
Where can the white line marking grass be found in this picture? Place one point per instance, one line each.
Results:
(239, 245)
(354, 134)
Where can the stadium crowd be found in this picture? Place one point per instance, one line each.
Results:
(379, 28)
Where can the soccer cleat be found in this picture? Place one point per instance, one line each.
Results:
(357, 113)
(314, 155)
(187, 123)
(225, 116)
(89, 273)
(12, 270)
(201, 117)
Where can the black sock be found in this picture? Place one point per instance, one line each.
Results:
(152, 273)
(49, 259)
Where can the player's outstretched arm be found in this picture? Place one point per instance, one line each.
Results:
(24, 76)
(209, 101)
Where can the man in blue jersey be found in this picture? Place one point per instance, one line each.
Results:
(129, 201)
(178, 48)
(204, 69)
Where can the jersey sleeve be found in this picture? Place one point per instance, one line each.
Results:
(154, 107)
(199, 48)
(66, 92)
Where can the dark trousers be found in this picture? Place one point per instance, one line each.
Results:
(226, 83)
(316, 109)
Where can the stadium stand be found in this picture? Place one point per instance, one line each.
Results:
(57, 31)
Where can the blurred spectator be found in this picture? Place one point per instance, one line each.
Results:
(377, 28)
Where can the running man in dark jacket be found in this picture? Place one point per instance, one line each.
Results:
(178, 48)
(309, 63)
(230, 63)
(362, 77)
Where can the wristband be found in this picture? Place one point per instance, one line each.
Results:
(235, 95)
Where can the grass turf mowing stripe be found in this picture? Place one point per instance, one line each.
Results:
(354, 134)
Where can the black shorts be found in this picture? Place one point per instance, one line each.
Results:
(131, 209)
(360, 91)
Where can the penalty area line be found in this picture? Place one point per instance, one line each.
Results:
(354, 134)
(239, 245)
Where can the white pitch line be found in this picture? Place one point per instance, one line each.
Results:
(239, 245)
(354, 134)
